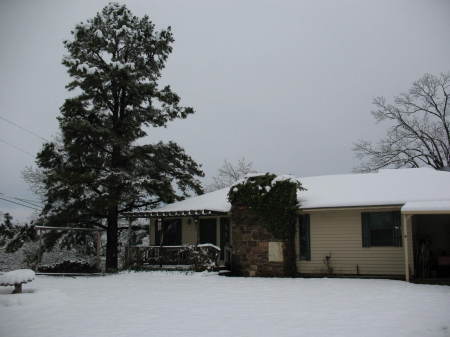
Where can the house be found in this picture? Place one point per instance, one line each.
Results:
(393, 223)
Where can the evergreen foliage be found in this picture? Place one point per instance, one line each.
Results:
(13, 237)
(23, 234)
(101, 170)
(7, 220)
(6, 229)
(272, 198)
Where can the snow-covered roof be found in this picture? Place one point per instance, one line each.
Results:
(214, 201)
(436, 206)
(385, 187)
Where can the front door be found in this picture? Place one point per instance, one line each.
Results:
(208, 231)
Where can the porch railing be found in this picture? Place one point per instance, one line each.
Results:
(184, 255)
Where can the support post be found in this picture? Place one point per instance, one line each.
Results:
(128, 250)
(97, 248)
(17, 288)
(150, 232)
(197, 229)
(39, 255)
(405, 220)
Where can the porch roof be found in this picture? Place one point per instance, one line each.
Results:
(427, 207)
(167, 214)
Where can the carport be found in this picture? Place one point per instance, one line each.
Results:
(426, 238)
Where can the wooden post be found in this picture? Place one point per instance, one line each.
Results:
(39, 255)
(150, 232)
(98, 247)
(17, 288)
(218, 240)
(130, 223)
(128, 250)
(218, 233)
(197, 229)
(405, 220)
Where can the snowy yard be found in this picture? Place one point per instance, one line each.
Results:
(177, 304)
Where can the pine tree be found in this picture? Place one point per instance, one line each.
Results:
(7, 220)
(6, 229)
(100, 170)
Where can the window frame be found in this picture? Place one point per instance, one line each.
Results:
(368, 221)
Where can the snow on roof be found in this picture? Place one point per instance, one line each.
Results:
(213, 201)
(385, 187)
(427, 206)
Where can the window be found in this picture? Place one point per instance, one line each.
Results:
(381, 229)
(169, 233)
(304, 237)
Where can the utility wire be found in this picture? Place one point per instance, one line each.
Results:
(23, 202)
(17, 148)
(14, 202)
(32, 203)
(24, 129)
(27, 201)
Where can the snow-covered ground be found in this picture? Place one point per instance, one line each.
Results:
(180, 304)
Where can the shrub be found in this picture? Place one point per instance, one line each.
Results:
(69, 266)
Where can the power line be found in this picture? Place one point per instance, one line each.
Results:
(17, 148)
(32, 203)
(14, 202)
(24, 129)
(27, 201)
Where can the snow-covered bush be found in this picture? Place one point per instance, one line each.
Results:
(21, 249)
(70, 266)
(202, 257)
(7, 232)
(22, 234)
(30, 253)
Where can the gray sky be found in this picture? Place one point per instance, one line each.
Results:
(287, 84)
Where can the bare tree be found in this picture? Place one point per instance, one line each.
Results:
(419, 135)
(229, 173)
(34, 177)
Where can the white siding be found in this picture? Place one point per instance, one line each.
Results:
(338, 233)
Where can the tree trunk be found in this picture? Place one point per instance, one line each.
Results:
(112, 241)
(113, 212)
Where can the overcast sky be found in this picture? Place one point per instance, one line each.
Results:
(287, 84)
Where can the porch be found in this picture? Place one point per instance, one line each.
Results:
(182, 239)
